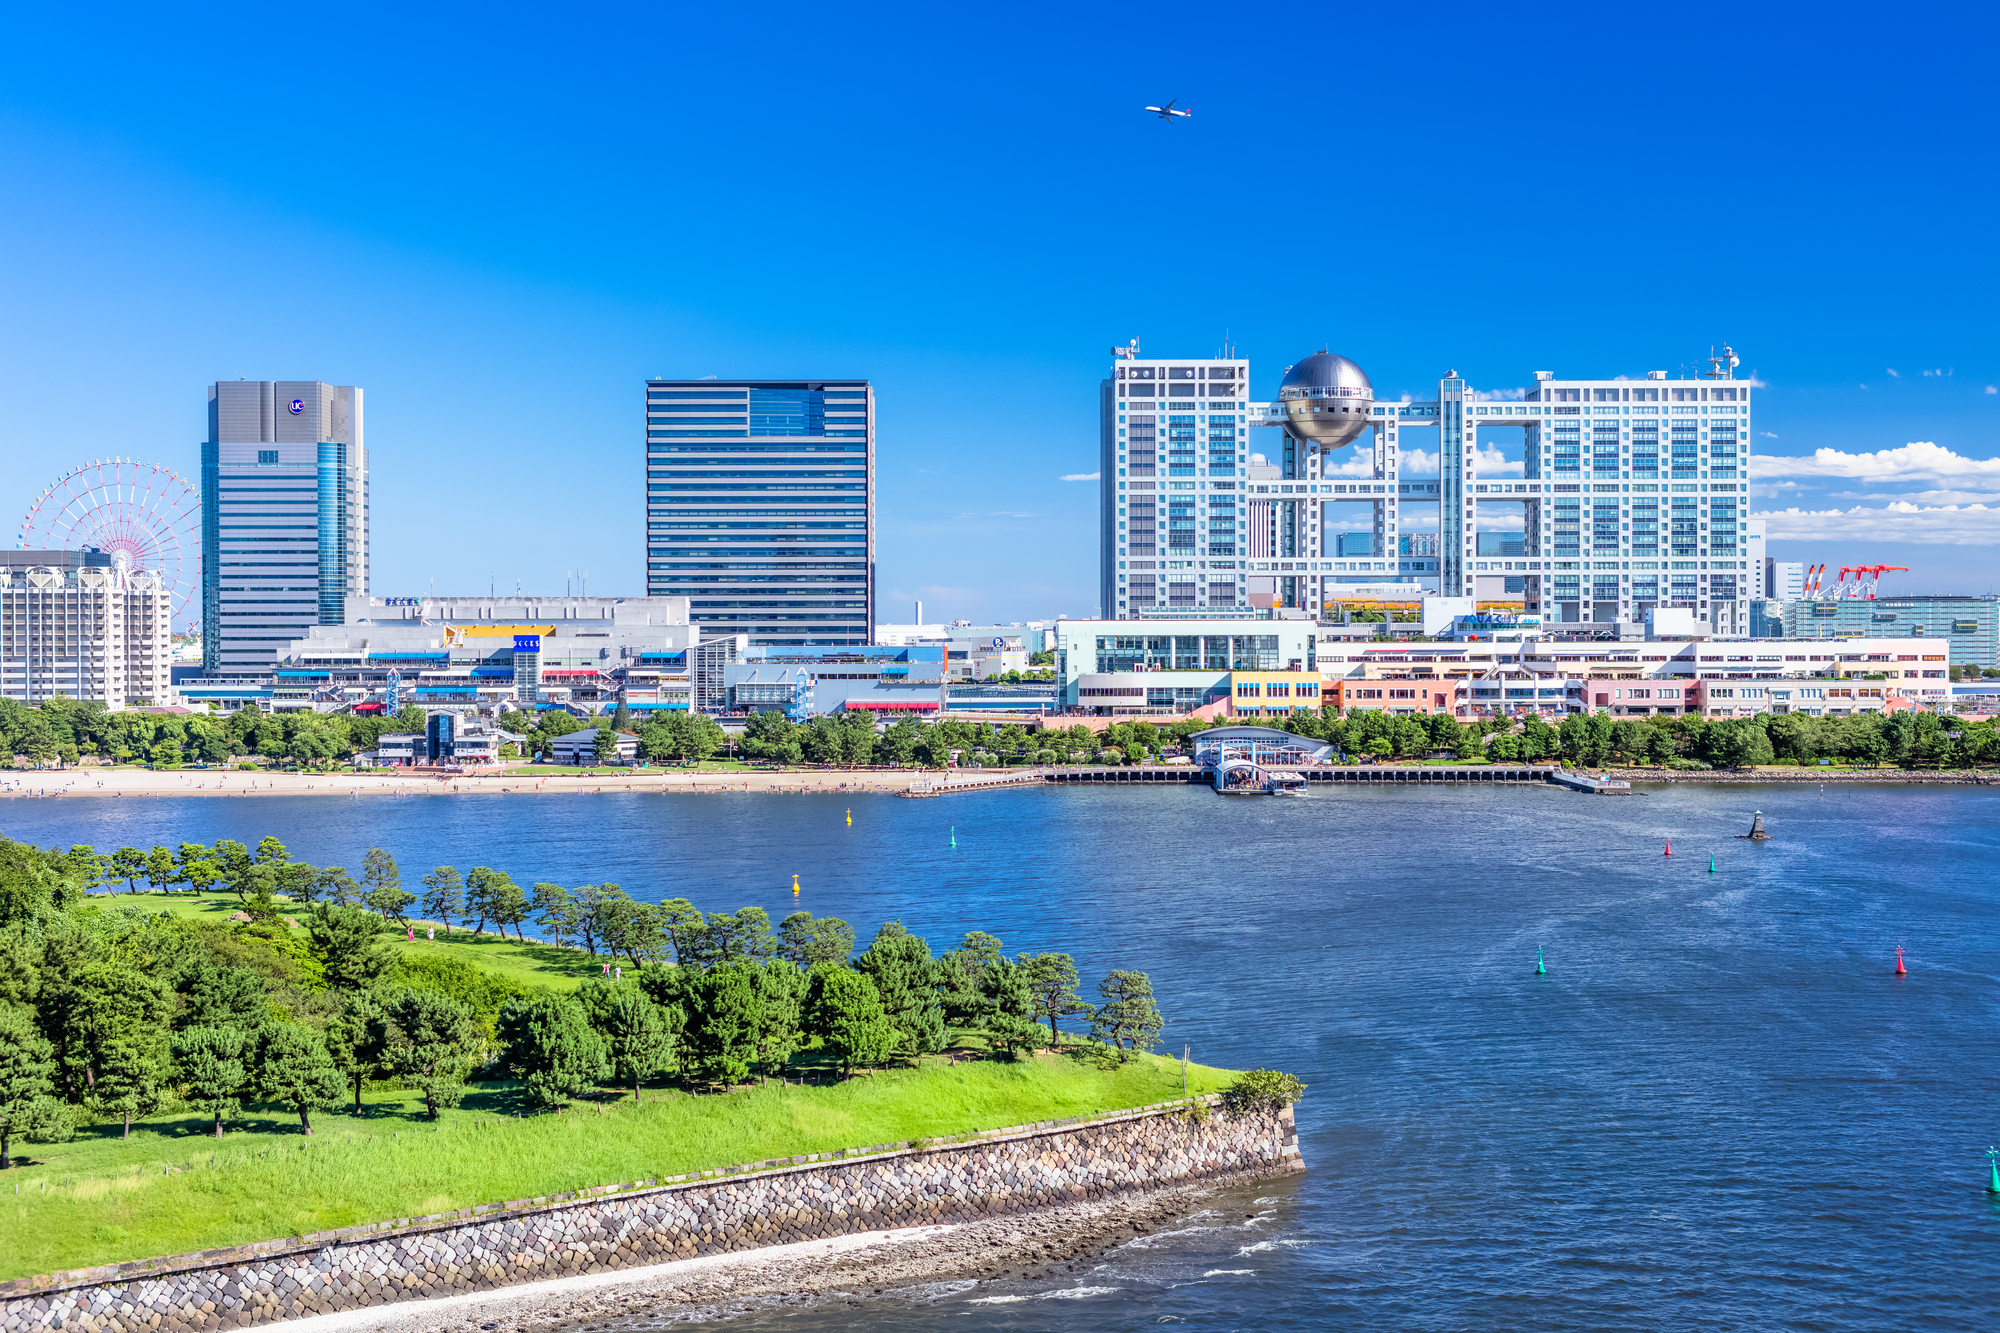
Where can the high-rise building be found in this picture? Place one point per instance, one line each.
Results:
(1784, 580)
(80, 626)
(1627, 494)
(284, 522)
(1173, 452)
(760, 507)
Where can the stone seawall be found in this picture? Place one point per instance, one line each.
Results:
(626, 1226)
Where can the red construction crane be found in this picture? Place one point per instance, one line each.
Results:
(1867, 578)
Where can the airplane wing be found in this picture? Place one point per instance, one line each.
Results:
(1170, 104)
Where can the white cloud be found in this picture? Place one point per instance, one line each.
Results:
(1769, 435)
(1501, 396)
(1419, 461)
(1935, 497)
(1083, 476)
(1993, 388)
(1937, 372)
(1894, 374)
(1492, 460)
(1919, 458)
(1754, 382)
(1945, 525)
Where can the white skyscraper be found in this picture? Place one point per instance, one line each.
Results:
(284, 483)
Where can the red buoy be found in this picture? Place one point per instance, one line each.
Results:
(1901, 971)
(1670, 848)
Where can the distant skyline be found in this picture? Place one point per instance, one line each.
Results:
(499, 224)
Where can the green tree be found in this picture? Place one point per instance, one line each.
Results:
(27, 1077)
(846, 1012)
(217, 995)
(444, 893)
(781, 995)
(1128, 1018)
(906, 979)
(722, 1022)
(604, 744)
(347, 942)
(213, 1069)
(547, 1042)
(508, 903)
(128, 863)
(383, 885)
(807, 941)
(1052, 983)
(431, 1043)
(1008, 1015)
(356, 1039)
(134, 1075)
(554, 909)
(160, 869)
(479, 884)
(336, 885)
(294, 1070)
(636, 1032)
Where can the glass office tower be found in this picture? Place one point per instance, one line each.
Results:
(284, 517)
(760, 507)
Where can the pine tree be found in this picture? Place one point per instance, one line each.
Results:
(1128, 1018)
(348, 944)
(294, 1069)
(549, 1043)
(444, 894)
(846, 1011)
(1052, 985)
(384, 885)
(906, 977)
(133, 1075)
(781, 996)
(356, 1039)
(27, 1076)
(212, 1065)
(431, 1043)
(723, 1021)
(635, 1031)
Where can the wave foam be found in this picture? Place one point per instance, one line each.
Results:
(1073, 1293)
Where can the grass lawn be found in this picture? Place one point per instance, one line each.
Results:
(529, 963)
(173, 1188)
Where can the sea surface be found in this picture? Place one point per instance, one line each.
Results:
(1719, 1108)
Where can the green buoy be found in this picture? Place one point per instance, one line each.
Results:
(1993, 1164)
(1711, 863)
(1542, 970)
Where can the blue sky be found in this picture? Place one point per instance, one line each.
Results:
(500, 220)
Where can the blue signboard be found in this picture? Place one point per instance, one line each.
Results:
(527, 643)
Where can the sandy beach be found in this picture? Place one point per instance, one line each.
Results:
(1034, 1253)
(139, 782)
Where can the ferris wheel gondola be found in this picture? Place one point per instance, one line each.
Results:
(142, 515)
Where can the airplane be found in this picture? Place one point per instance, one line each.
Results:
(1167, 112)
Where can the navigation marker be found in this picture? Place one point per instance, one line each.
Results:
(1901, 971)
(1670, 848)
(1541, 969)
(850, 819)
(795, 886)
(1711, 863)
(954, 836)
(1993, 1185)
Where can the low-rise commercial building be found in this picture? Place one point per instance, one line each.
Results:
(580, 748)
(87, 630)
(803, 682)
(447, 740)
(1970, 625)
(464, 652)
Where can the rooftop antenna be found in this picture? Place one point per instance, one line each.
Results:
(1722, 367)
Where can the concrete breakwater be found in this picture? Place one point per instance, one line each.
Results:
(964, 1179)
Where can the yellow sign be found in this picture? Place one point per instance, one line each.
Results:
(453, 633)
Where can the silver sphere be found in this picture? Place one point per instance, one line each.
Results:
(1327, 400)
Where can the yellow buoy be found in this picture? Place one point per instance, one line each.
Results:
(795, 886)
(850, 819)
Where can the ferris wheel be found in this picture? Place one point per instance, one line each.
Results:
(142, 515)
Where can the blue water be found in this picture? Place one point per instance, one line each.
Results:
(1719, 1108)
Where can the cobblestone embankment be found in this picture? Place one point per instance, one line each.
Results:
(974, 1178)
